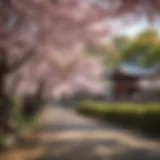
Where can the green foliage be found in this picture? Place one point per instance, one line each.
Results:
(107, 51)
(18, 119)
(153, 55)
(142, 116)
(143, 49)
(120, 42)
(2, 137)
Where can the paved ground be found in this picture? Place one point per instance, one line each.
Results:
(65, 135)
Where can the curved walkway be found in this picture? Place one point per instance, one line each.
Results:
(66, 135)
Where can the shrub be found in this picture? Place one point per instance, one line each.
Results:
(143, 116)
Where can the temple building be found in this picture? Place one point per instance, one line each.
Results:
(132, 82)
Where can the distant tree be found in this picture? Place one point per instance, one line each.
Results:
(120, 42)
(153, 57)
(140, 49)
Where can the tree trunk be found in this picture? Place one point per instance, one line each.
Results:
(33, 103)
(5, 107)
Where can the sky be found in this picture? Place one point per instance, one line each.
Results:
(119, 28)
(133, 30)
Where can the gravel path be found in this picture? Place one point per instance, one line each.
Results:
(66, 135)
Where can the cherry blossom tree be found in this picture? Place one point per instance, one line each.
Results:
(40, 38)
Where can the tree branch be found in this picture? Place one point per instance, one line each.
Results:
(19, 62)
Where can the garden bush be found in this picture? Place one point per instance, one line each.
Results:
(144, 116)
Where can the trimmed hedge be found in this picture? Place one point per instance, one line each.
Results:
(144, 116)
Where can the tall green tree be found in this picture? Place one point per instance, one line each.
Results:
(143, 49)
